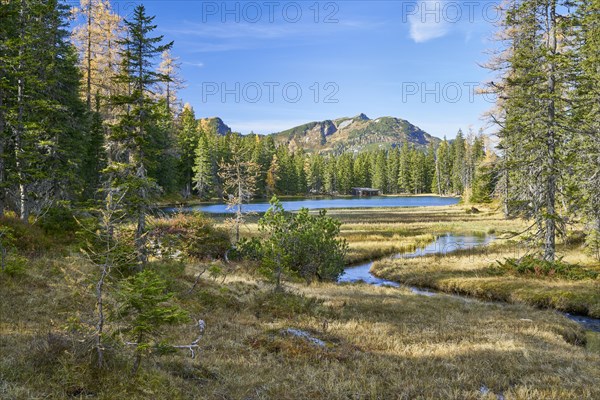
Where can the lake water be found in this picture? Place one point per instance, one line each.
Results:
(357, 202)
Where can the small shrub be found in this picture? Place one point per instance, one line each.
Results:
(284, 305)
(592, 244)
(301, 244)
(248, 249)
(122, 255)
(192, 234)
(575, 238)
(47, 350)
(15, 265)
(535, 267)
(144, 308)
(213, 298)
(59, 221)
(26, 238)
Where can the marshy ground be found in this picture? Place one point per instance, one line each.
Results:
(380, 343)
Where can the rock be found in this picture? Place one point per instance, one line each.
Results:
(303, 335)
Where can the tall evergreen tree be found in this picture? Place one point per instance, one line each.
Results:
(585, 149)
(418, 174)
(443, 169)
(458, 163)
(188, 140)
(315, 173)
(272, 176)
(138, 121)
(344, 169)
(379, 169)
(40, 106)
(361, 173)
(202, 169)
(404, 181)
(393, 168)
(534, 114)
(430, 169)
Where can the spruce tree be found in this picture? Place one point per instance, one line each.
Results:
(202, 170)
(138, 120)
(458, 163)
(585, 150)
(404, 181)
(393, 168)
(533, 115)
(43, 121)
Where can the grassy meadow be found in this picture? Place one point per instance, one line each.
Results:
(471, 272)
(377, 342)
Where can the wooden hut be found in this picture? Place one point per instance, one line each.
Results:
(367, 192)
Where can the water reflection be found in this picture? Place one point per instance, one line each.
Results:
(443, 245)
(357, 202)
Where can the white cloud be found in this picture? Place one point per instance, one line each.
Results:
(428, 22)
(194, 64)
(219, 37)
(232, 31)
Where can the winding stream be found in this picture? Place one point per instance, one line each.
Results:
(443, 245)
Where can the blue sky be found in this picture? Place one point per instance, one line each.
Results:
(265, 66)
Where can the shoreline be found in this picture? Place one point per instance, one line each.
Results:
(215, 201)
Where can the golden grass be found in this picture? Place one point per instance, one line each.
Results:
(382, 343)
(469, 272)
(376, 233)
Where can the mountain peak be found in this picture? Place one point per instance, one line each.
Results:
(354, 134)
(214, 124)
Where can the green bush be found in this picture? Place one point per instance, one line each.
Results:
(592, 244)
(302, 244)
(27, 239)
(59, 221)
(144, 309)
(284, 305)
(535, 267)
(15, 265)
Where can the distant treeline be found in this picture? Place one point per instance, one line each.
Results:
(451, 169)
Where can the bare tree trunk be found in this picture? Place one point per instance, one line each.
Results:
(550, 219)
(140, 236)
(19, 132)
(506, 192)
(88, 94)
(168, 98)
(239, 215)
(106, 267)
(138, 356)
(2, 161)
(100, 301)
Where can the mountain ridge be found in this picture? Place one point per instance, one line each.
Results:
(356, 134)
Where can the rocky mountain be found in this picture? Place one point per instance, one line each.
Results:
(354, 134)
(214, 124)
